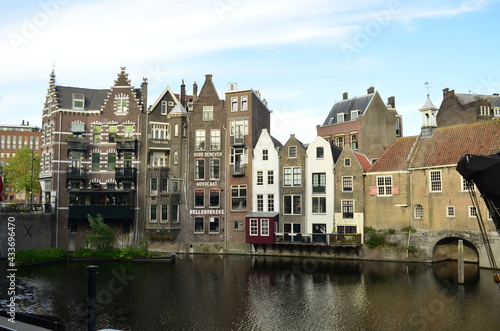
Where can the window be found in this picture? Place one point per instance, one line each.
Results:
(215, 169)
(215, 140)
(265, 155)
(96, 159)
(319, 205)
(347, 162)
(175, 213)
(111, 161)
(208, 113)
(234, 104)
(176, 130)
(435, 181)
(472, 212)
(164, 184)
(199, 169)
(213, 225)
(292, 152)
(175, 186)
(354, 141)
(254, 227)
(164, 108)
(199, 140)
(199, 198)
(152, 214)
(176, 157)
(96, 134)
(153, 186)
(347, 208)
(450, 211)
(264, 227)
(260, 177)
(270, 177)
(199, 225)
(77, 128)
(260, 202)
(238, 225)
(164, 214)
(159, 131)
(214, 198)
(319, 182)
(384, 185)
(292, 204)
(292, 176)
(347, 184)
(320, 152)
(244, 103)
(237, 156)
(270, 202)
(339, 141)
(354, 115)
(128, 131)
(419, 212)
(159, 159)
(340, 118)
(496, 112)
(239, 127)
(112, 132)
(465, 185)
(121, 103)
(238, 197)
(78, 101)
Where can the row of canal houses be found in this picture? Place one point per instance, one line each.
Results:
(200, 173)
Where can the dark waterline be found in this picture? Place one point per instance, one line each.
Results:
(208, 292)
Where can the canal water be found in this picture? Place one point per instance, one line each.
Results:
(208, 292)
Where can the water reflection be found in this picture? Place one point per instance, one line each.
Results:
(265, 293)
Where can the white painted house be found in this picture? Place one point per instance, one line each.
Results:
(266, 174)
(320, 187)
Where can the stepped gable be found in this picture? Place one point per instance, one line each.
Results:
(395, 158)
(449, 144)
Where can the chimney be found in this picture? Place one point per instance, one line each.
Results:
(183, 94)
(392, 102)
(370, 90)
(144, 93)
(445, 92)
(195, 91)
(345, 96)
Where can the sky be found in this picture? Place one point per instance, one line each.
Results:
(302, 55)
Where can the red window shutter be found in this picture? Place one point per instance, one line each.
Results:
(373, 190)
(395, 190)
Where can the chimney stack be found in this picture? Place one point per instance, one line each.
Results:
(370, 90)
(445, 92)
(183, 94)
(392, 102)
(195, 91)
(345, 96)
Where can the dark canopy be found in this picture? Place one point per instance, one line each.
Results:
(484, 171)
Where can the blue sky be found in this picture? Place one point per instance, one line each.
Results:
(301, 55)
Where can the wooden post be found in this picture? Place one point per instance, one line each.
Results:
(461, 276)
(91, 314)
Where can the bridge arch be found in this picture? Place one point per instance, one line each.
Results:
(447, 249)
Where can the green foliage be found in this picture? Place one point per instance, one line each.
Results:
(139, 251)
(100, 237)
(22, 172)
(409, 228)
(391, 231)
(39, 255)
(375, 238)
(411, 249)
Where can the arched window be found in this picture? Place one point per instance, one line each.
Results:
(419, 212)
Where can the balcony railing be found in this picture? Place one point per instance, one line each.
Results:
(237, 170)
(238, 140)
(331, 239)
(108, 212)
(126, 173)
(24, 208)
(76, 173)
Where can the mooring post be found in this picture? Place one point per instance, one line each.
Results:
(461, 276)
(91, 315)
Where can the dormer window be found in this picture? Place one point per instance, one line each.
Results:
(340, 118)
(78, 101)
(164, 108)
(331, 120)
(354, 115)
(496, 112)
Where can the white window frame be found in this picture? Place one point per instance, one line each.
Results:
(163, 109)
(264, 227)
(234, 104)
(348, 180)
(340, 118)
(215, 140)
(208, 113)
(384, 188)
(254, 227)
(155, 219)
(200, 140)
(354, 115)
(418, 212)
(292, 152)
(292, 198)
(244, 103)
(472, 212)
(433, 181)
(153, 186)
(316, 205)
(347, 204)
(450, 211)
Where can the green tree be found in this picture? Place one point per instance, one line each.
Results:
(22, 172)
(100, 237)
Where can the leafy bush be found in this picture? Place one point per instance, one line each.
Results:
(100, 237)
(38, 255)
(409, 228)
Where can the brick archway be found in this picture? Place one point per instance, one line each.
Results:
(447, 249)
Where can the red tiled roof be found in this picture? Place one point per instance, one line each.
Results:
(363, 160)
(395, 158)
(449, 144)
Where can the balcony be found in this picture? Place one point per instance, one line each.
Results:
(345, 239)
(111, 204)
(126, 174)
(108, 212)
(76, 173)
(126, 144)
(237, 170)
(76, 144)
(238, 140)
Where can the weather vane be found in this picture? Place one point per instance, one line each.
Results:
(427, 86)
